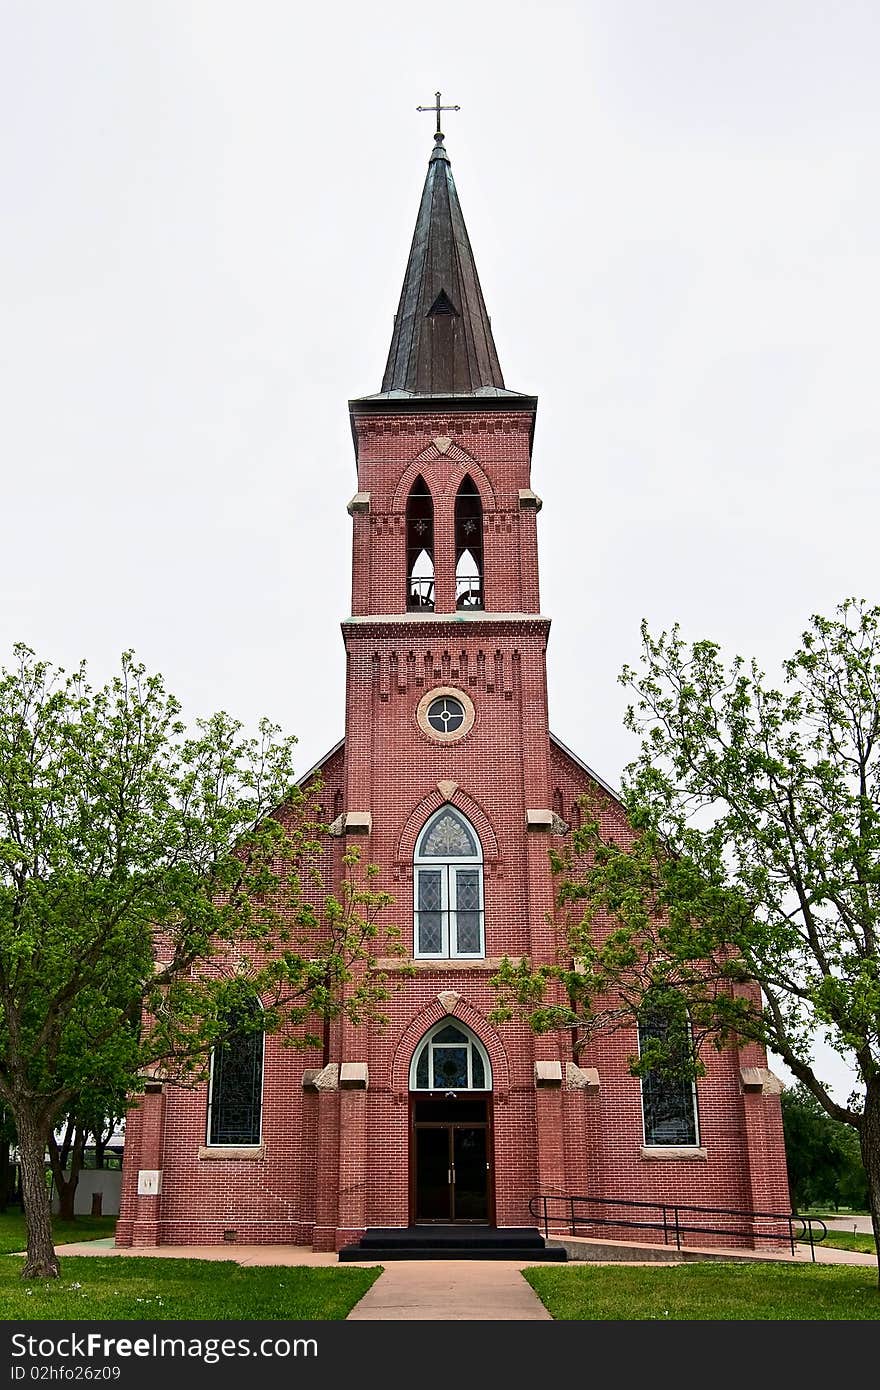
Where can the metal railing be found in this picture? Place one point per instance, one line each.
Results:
(674, 1220)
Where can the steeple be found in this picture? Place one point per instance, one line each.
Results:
(442, 343)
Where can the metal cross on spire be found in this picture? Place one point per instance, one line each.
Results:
(438, 108)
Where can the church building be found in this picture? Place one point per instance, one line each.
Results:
(449, 779)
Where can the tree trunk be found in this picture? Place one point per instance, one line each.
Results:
(870, 1144)
(41, 1261)
(5, 1172)
(66, 1181)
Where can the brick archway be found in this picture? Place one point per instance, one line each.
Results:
(406, 846)
(434, 1012)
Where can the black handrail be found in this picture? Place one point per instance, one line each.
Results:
(669, 1216)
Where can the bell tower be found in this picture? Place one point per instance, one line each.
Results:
(445, 569)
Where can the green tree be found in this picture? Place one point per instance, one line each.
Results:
(745, 878)
(822, 1155)
(148, 872)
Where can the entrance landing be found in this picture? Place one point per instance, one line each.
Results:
(442, 1242)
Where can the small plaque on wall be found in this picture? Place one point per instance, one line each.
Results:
(149, 1182)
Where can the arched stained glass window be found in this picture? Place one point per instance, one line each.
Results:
(450, 1058)
(235, 1093)
(669, 1096)
(448, 874)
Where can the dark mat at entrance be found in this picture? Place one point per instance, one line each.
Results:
(452, 1243)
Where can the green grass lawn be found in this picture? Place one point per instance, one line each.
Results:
(847, 1240)
(13, 1235)
(138, 1287)
(700, 1292)
(127, 1287)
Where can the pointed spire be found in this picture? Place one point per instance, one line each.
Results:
(442, 342)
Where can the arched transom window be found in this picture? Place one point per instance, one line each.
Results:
(450, 1058)
(448, 873)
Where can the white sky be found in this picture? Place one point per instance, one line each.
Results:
(206, 212)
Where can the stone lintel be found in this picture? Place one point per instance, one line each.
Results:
(548, 1073)
(354, 1076)
(581, 1079)
(761, 1080)
(359, 503)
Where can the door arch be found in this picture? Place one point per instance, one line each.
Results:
(451, 1161)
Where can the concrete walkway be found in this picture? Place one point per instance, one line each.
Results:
(450, 1291)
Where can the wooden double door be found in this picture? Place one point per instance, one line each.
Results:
(451, 1168)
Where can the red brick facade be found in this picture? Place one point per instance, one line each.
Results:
(334, 1161)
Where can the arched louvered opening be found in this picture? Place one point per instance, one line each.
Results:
(468, 546)
(420, 547)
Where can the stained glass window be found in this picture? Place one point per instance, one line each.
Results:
(430, 912)
(235, 1100)
(669, 1101)
(450, 1059)
(448, 838)
(448, 895)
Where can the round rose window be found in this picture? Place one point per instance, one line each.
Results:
(445, 715)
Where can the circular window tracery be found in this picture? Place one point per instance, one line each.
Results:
(445, 714)
(450, 1058)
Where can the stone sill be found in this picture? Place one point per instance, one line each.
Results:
(672, 1152)
(233, 1153)
(392, 963)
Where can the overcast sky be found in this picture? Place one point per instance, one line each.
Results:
(206, 213)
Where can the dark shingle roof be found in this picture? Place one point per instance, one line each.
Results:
(442, 342)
